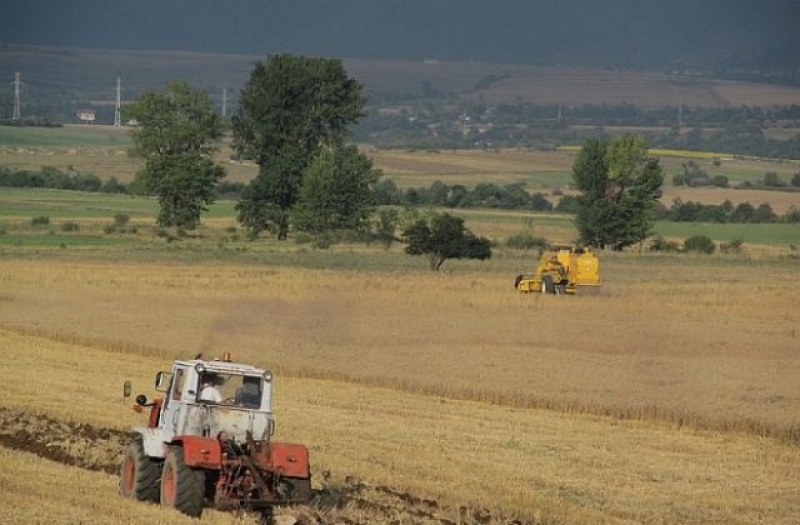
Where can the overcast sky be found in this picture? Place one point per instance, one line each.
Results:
(510, 31)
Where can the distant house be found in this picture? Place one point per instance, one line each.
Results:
(86, 115)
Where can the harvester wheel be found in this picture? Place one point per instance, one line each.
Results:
(547, 284)
(139, 474)
(518, 280)
(182, 487)
(561, 289)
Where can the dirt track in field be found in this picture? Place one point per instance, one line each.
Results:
(75, 444)
(347, 502)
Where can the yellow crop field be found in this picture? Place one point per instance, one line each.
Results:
(547, 466)
(690, 350)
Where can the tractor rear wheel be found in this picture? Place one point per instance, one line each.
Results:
(182, 487)
(139, 474)
(547, 284)
(266, 517)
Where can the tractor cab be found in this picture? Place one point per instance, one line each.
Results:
(206, 397)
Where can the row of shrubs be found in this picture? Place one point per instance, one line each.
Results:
(696, 243)
(694, 176)
(514, 196)
(120, 224)
(742, 213)
(53, 178)
(519, 241)
(484, 195)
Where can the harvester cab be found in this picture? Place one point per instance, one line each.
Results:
(208, 440)
(562, 270)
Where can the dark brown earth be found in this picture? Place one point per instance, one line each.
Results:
(348, 501)
(76, 444)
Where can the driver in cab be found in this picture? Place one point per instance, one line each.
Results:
(208, 389)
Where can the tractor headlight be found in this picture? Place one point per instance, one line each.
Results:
(268, 376)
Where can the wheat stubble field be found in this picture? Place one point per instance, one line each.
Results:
(670, 397)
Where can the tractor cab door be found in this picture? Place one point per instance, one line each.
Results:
(170, 413)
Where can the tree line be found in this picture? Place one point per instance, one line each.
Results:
(53, 178)
(466, 125)
(742, 213)
(631, 115)
(693, 175)
(440, 195)
(483, 195)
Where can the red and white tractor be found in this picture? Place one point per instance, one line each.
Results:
(207, 443)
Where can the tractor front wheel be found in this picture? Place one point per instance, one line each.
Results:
(182, 487)
(548, 287)
(139, 474)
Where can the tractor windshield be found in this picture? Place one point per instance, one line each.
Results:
(230, 389)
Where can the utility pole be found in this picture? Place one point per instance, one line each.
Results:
(117, 113)
(680, 114)
(17, 111)
(224, 102)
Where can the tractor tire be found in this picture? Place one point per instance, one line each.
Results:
(139, 474)
(518, 280)
(182, 488)
(266, 517)
(547, 285)
(561, 289)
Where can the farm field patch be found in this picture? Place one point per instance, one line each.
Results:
(550, 472)
(71, 148)
(477, 337)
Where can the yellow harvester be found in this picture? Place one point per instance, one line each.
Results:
(562, 270)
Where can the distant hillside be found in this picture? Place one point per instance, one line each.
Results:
(60, 80)
(731, 37)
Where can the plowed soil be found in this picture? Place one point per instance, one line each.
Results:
(349, 501)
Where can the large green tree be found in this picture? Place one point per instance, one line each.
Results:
(175, 133)
(290, 109)
(336, 192)
(619, 187)
(444, 237)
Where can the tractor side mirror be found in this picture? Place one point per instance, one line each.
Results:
(141, 400)
(163, 380)
(126, 389)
